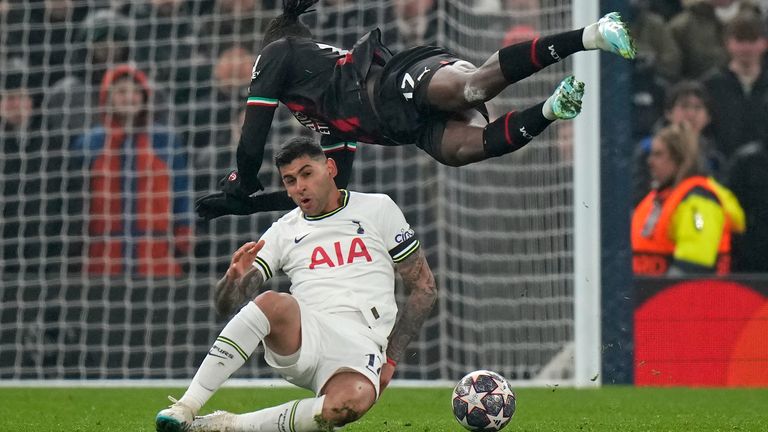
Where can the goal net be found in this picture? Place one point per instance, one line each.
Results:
(498, 234)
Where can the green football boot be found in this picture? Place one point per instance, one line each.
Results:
(614, 36)
(566, 100)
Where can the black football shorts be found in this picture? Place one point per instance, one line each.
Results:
(401, 98)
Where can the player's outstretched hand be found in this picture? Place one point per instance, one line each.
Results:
(242, 259)
(232, 200)
(233, 289)
(219, 204)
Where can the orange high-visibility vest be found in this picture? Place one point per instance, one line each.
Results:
(653, 254)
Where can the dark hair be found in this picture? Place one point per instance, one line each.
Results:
(685, 89)
(288, 23)
(744, 27)
(296, 148)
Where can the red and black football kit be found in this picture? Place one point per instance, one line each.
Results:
(325, 88)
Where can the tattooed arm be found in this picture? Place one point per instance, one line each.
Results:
(241, 281)
(419, 281)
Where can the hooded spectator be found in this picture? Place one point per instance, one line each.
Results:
(139, 211)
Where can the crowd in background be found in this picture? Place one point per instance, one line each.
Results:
(702, 65)
(115, 114)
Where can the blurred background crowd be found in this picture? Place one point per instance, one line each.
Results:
(115, 114)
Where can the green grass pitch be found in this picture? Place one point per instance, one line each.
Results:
(405, 409)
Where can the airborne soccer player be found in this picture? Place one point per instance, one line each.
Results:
(423, 96)
(335, 334)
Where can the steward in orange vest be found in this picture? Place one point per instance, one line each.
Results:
(686, 228)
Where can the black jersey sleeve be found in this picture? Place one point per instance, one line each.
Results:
(343, 153)
(273, 201)
(271, 71)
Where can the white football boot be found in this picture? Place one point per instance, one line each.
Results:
(176, 418)
(218, 421)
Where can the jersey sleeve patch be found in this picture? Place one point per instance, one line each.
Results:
(265, 270)
(337, 146)
(261, 101)
(404, 249)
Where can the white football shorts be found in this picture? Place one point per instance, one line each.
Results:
(331, 343)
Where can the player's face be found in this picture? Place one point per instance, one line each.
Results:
(309, 183)
(691, 110)
(662, 166)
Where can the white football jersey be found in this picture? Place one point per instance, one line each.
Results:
(344, 260)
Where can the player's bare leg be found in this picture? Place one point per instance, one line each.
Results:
(284, 317)
(239, 338)
(348, 395)
(344, 398)
(462, 86)
(467, 139)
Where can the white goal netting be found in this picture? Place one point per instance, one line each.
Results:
(498, 234)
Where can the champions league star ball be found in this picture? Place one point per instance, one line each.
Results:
(483, 401)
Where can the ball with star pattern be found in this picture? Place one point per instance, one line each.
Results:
(483, 401)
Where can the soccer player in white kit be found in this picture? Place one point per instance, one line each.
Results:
(335, 334)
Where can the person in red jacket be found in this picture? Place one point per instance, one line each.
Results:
(139, 218)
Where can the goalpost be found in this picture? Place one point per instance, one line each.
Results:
(514, 241)
(586, 187)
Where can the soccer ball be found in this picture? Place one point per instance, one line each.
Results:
(483, 401)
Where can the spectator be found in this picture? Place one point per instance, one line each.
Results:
(686, 103)
(698, 32)
(38, 227)
(665, 8)
(749, 181)
(416, 22)
(740, 89)
(20, 143)
(164, 39)
(44, 40)
(5, 28)
(232, 22)
(70, 104)
(519, 20)
(684, 225)
(526, 12)
(214, 240)
(217, 105)
(139, 203)
(519, 33)
(657, 64)
(340, 22)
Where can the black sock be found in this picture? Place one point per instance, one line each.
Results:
(526, 58)
(513, 130)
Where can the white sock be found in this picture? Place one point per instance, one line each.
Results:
(234, 345)
(546, 109)
(591, 37)
(298, 416)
